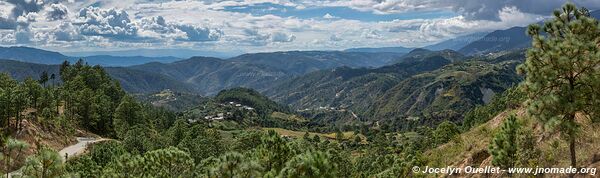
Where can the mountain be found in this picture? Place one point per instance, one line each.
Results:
(259, 70)
(509, 39)
(133, 81)
(302, 62)
(420, 54)
(347, 87)
(178, 53)
(122, 61)
(205, 75)
(39, 56)
(456, 43)
(21, 70)
(239, 108)
(32, 55)
(499, 40)
(398, 49)
(172, 100)
(413, 88)
(211, 75)
(448, 92)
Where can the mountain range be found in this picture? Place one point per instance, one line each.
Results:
(372, 83)
(38, 56)
(425, 81)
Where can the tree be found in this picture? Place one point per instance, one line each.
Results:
(527, 153)
(7, 90)
(235, 165)
(83, 166)
(339, 136)
(306, 136)
(34, 91)
(12, 146)
(168, 162)
(53, 78)
(504, 145)
(43, 78)
(202, 143)
(310, 165)
(357, 140)
(127, 115)
(273, 151)
(445, 131)
(561, 68)
(46, 163)
(103, 153)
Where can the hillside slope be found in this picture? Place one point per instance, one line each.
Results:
(471, 147)
(415, 87)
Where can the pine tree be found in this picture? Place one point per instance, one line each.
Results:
(310, 165)
(46, 163)
(233, 164)
(43, 78)
(504, 145)
(127, 115)
(339, 136)
(562, 71)
(13, 146)
(445, 131)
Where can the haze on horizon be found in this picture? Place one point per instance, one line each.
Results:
(236, 26)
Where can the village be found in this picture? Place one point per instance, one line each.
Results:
(224, 114)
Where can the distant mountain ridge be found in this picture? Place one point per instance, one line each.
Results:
(456, 43)
(131, 80)
(39, 56)
(398, 49)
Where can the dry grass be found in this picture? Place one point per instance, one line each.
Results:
(300, 134)
(554, 149)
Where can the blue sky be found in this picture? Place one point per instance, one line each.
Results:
(257, 25)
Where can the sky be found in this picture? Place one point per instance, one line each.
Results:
(257, 25)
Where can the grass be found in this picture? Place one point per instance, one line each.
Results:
(288, 117)
(299, 134)
(554, 150)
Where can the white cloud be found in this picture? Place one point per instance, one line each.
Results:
(329, 16)
(57, 12)
(157, 27)
(114, 23)
(334, 37)
(204, 24)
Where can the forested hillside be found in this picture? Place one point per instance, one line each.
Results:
(426, 87)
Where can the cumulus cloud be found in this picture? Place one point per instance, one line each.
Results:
(67, 32)
(335, 37)
(195, 33)
(159, 27)
(106, 22)
(282, 37)
(156, 23)
(57, 12)
(255, 37)
(371, 34)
